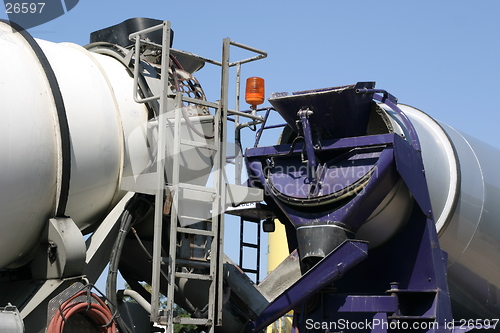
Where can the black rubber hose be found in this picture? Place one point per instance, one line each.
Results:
(125, 224)
(134, 210)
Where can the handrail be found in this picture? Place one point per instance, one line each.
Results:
(136, 37)
(137, 55)
(262, 54)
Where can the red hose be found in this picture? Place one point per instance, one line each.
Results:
(100, 314)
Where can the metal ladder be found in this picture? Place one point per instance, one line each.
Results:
(252, 218)
(215, 195)
(250, 245)
(199, 194)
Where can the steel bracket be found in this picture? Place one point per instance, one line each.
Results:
(62, 251)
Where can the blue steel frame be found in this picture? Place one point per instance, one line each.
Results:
(398, 285)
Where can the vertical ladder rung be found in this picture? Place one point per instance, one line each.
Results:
(196, 231)
(193, 263)
(187, 262)
(198, 144)
(194, 218)
(253, 246)
(256, 246)
(193, 321)
(197, 188)
(200, 188)
(195, 193)
(194, 276)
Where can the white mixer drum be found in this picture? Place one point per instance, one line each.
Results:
(64, 137)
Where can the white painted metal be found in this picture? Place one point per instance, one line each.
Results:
(464, 185)
(441, 165)
(388, 218)
(10, 321)
(107, 130)
(464, 188)
(28, 180)
(95, 129)
(443, 178)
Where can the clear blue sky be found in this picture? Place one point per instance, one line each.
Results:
(439, 56)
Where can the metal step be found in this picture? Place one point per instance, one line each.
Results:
(192, 263)
(192, 231)
(193, 187)
(198, 219)
(251, 245)
(187, 262)
(194, 276)
(193, 321)
(196, 193)
(198, 144)
(250, 270)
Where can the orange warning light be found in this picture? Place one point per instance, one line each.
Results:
(254, 93)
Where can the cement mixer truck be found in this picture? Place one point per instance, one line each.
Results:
(114, 161)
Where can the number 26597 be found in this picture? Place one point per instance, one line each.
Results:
(24, 7)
